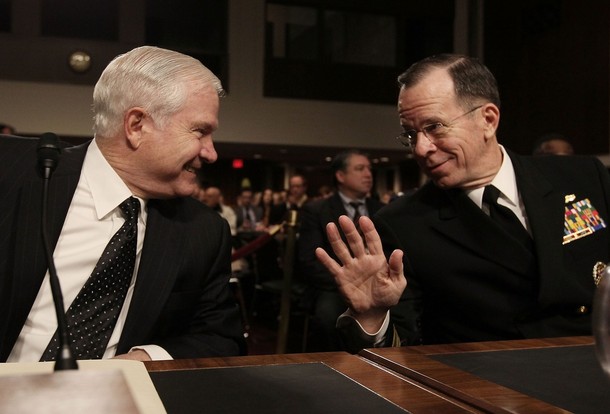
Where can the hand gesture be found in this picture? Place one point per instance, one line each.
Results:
(369, 283)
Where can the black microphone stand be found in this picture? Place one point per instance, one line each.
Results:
(64, 359)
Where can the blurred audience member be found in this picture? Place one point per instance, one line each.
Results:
(553, 144)
(295, 197)
(388, 196)
(279, 198)
(324, 191)
(353, 180)
(297, 192)
(7, 129)
(249, 215)
(271, 210)
(213, 198)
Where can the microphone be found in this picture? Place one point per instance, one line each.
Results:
(48, 151)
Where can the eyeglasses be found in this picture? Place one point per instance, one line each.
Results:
(433, 132)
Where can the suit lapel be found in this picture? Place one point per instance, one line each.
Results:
(157, 273)
(336, 206)
(467, 225)
(546, 213)
(30, 269)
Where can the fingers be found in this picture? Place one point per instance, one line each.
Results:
(356, 244)
(396, 270)
(328, 262)
(373, 241)
(337, 244)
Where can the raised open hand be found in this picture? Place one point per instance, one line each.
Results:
(369, 283)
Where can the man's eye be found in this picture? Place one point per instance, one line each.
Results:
(202, 131)
(435, 128)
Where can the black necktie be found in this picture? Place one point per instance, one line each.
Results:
(356, 218)
(505, 218)
(248, 218)
(94, 312)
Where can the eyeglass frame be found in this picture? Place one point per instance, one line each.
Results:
(405, 137)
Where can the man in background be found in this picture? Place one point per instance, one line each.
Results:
(7, 129)
(296, 196)
(353, 181)
(553, 144)
(213, 198)
(297, 192)
(249, 215)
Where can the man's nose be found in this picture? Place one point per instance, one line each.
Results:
(208, 152)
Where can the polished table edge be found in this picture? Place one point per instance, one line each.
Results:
(399, 390)
(500, 345)
(247, 360)
(414, 363)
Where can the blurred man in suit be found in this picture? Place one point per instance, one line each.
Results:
(154, 114)
(212, 197)
(477, 266)
(353, 180)
(248, 214)
(296, 196)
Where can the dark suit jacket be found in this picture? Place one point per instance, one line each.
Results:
(314, 216)
(468, 282)
(181, 302)
(239, 213)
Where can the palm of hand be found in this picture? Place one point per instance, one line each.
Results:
(366, 284)
(366, 280)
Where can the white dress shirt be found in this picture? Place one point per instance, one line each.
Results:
(91, 221)
(506, 182)
(351, 210)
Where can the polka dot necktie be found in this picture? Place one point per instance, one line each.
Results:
(94, 312)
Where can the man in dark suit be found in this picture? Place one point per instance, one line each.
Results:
(353, 181)
(248, 214)
(467, 278)
(296, 198)
(155, 112)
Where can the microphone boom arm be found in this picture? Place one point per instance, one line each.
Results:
(48, 154)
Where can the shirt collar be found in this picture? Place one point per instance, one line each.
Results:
(504, 181)
(107, 189)
(347, 200)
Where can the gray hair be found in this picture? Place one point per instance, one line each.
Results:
(157, 80)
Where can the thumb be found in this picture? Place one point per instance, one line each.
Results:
(395, 264)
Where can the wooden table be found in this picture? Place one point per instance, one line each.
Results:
(418, 364)
(418, 379)
(409, 394)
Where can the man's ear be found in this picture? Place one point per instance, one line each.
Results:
(491, 117)
(340, 176)
(133, 124)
